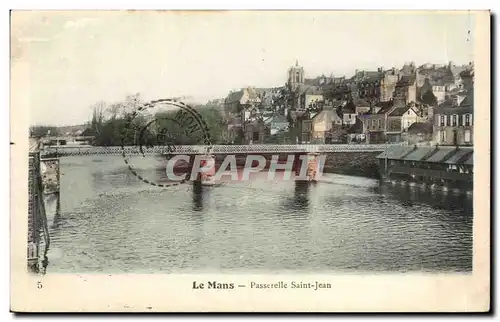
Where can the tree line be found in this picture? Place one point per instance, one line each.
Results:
(119, 123)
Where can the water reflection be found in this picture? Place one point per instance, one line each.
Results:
(410, 196)
(198, 196)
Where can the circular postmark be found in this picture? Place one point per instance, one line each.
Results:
(165, 128)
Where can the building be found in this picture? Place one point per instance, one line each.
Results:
(453, 122)
(355, 133)
(295, 76)
(399, 119)
(361, 106)
(388, 85)
(321, 128)
(348, 114)
(418, 133)
(240, 107)
(453, 119)
(405, 90)
(256, 132)
(374, 122)
(277, 124)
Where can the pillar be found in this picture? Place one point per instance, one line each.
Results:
(207, 177)
(313, 166)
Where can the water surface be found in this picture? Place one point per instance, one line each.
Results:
(111, 222)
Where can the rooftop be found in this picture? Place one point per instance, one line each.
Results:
(449, 155)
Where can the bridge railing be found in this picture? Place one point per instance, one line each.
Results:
(218, 149)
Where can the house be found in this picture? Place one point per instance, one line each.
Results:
(355, 133)
(300, 130)
(406, 89)
(277, 123)
(242, 99)
(238, 107)
(453, 119)
(374, 122)
(418, 132)
(256, 132)
(361, 106)
(399, 119)
(453, 122)
(348, 113)
(318, 129)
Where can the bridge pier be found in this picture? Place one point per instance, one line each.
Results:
(307, 166)
(206, 170)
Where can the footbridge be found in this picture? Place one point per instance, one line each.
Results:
(215, 149)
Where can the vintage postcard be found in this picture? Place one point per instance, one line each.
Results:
(250, 161)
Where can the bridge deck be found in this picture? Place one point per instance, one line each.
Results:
(217, 149)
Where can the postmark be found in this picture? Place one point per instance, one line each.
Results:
(158, 128)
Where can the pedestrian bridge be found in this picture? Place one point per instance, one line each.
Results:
(214, 149)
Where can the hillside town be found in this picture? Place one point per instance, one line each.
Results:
(428, 104)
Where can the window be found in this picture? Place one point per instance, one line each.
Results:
(306, 137)
(441, 120)
(454, 120)
(443, 136)
(256, 136)
(379, 123)
(297, 77)
(467, 136)
(349, 116)
(447, 120)
(467, 119)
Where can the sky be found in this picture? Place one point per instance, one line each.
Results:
(76, 59)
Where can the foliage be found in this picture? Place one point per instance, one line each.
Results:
(43, 130)
(116, 124)
(429, 98)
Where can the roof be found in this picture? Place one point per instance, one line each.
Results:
(349, 108)
(406, 80)
(399, 111)
(420, 127)
(279, 119)
(439, 154)
(469, 100)
(436, 82)
(361, 102)
(357, 127)
(252, 94)
(467, 73)
(448, 107)
(326, 115)
(234, 96)
(339, 103)
(395, 153)
(470, 160)
(418, 154)
(449, 155)
(384, 107)
(460, 156)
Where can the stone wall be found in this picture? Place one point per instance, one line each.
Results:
(353, 163)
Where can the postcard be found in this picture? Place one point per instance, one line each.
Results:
(250, 161)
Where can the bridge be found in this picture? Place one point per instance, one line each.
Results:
(214, 149)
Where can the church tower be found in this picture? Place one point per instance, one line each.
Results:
(295, 76)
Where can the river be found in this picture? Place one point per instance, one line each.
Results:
(111, 222)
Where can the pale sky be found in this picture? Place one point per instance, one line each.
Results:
(77, 59)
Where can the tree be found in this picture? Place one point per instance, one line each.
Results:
(97, 116)
(429, 98)
(38, 131)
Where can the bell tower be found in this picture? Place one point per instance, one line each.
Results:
(295, 76)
